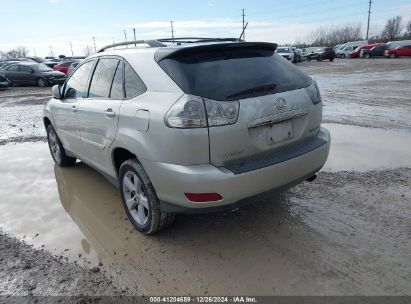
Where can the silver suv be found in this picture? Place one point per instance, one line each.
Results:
(189, 126)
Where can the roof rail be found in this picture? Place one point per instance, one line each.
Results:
(151, 43)
(196, 39)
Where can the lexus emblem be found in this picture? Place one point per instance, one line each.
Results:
(280, 103)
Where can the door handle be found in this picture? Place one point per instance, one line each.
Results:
(74, 109)
(110, 113)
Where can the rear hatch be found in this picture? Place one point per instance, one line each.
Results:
(275, 110)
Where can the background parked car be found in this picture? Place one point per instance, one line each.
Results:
(394, 44)
(32, 73)
(376, 51)
(345, 50)
(300, 56)
(403, 50)
(4, 83)
(286, 52)
(65, 65)
(321, 54)
(72, 67)
(5, 64)
(357, 52)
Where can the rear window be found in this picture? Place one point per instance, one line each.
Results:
(222, 74)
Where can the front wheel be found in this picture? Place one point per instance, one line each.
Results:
(140, 200)
(57, 150)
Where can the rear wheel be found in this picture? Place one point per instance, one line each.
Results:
(41, 82)
(393, 55)
(57, 150)
(367, 56)
(140, 200)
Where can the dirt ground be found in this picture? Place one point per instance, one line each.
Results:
(64, 231)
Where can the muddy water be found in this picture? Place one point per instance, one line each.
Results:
(362, 149)
(271, 249)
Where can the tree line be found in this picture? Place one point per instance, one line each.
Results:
(394, 29)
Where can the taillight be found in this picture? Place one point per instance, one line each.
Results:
(196, 112)
(314, 92)
(203, 197)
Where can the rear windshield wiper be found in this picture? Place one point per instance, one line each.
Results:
(251, 91)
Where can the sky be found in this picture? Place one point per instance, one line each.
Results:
(46, 26)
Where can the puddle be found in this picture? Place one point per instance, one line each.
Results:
(364, 149)
(75, 212)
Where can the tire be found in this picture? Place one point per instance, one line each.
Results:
(393, 55)
(140, 200)
(342, 55)
(367, 56)
(331, 59)
(308, 59)
(57, 150)
(41, 82)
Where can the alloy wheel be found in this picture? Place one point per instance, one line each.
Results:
(54, 146)
(135, 197)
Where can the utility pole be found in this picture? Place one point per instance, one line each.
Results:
(51, 51)
(134, 32)
(243, 24)
(172, 30)
(125, 37)
(369, 14)
(71, 46)
(94, 42)
(34, 52)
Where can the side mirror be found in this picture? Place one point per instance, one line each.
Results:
(56, 92)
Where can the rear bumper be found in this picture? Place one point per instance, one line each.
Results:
(172, 181)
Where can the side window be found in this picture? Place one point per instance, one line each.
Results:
(103, 77)
(76, 86)
(25, 69)
(117, 86)
(13, 68)
(133, 84)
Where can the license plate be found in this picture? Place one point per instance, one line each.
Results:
(279, 132)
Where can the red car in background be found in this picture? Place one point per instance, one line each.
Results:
(402, 50)
(64, 66)
(356, 53)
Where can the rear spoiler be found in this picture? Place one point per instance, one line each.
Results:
(175, 52)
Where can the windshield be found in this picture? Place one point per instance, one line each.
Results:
(41, 68)
(234, 74)
(283, 50)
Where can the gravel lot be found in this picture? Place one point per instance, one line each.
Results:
(346, 233)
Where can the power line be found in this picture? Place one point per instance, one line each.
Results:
(369, 15)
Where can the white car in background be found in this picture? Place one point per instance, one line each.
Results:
(286, 52)
(345, 50)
